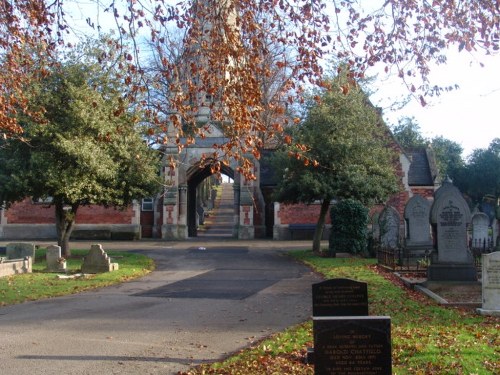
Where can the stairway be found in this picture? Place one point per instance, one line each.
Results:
(220, 221)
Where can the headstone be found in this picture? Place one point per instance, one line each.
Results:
(491, 284)
(340, 297)
(20, 250)
(55, 263)
(389, 221)
(97, 261)
(352, 346)
(450, 216)
(417, 217)
(480, 224)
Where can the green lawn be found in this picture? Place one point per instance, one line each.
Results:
(39, 284)
(426, 338)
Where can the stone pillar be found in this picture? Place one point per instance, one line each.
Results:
(246, 229)
(182, 223)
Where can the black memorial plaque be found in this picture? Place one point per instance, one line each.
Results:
(340, 297)
(357, 346)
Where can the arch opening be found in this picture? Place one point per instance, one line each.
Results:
(201, 184)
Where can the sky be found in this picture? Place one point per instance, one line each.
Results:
(469, 115)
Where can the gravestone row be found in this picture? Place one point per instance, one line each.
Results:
(97, 260)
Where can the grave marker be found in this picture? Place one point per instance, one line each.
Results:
(20, 250)
(340, 297)
(389, 221)
(417, 217)
(450, 216)
(352, 346)
(491, 284)
(480, 224)
(53, 257)
(97, 261)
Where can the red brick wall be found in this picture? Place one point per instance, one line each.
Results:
(423, 191)
(26, 212)
(300, 213)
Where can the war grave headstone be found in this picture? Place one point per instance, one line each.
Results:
(97, 261)
(480, 224)
(346, 339)
(418, 241)
(55, 263)
(490, 284)
(450, 216)
(389, 221)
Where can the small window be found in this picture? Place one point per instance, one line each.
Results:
(46, 200)
(147, 204)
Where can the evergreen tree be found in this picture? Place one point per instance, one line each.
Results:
(348, 153)
(84, 150)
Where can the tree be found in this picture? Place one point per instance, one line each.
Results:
(481, 174)
(348, 154)
(225, 40)
(349, 222)
(448, 156)
(407, 133)
(82, 151)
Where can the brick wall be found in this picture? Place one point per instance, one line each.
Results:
(300, 213)
(26, 212)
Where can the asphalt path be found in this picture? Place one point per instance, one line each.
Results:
(204, 301)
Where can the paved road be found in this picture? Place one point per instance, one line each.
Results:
(199, 305)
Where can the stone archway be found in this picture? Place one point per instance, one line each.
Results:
(195, 176)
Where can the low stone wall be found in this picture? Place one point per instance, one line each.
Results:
(15, 266)
(81, 232)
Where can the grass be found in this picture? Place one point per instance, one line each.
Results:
(39, 284)
(426, 338)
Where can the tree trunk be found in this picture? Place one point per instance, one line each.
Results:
(318, 232)
(65, 219)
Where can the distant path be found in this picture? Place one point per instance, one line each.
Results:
(220, 222)
(199, 305)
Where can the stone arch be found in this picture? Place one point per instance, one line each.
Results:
(195, 175)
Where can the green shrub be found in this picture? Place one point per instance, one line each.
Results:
(349, 221)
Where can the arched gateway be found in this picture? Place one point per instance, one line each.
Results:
(184, 186)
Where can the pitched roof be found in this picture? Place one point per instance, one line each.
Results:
(422, 171)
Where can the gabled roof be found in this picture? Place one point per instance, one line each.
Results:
(422, 171)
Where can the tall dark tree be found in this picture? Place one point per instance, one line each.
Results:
(481, 175)
(347, 154)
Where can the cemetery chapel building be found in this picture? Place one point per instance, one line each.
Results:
(174, 214)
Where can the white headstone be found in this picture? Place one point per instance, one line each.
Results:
(480, 224)
(491, 284)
